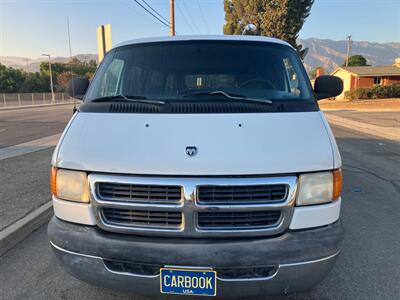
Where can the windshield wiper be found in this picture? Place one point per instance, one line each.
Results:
(130, 98)
(232, 96)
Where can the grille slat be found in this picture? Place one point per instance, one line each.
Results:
(139, 193)
(238, 220)
(132, 218)
(251, 194)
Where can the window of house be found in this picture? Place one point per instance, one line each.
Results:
(377, 80)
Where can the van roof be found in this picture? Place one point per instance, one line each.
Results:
(204, 38)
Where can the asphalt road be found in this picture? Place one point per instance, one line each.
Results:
(22, 125)
(368, 267)
(19, 197)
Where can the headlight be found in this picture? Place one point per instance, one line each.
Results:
(321, 187)
(69, 185)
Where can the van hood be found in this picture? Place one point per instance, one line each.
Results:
(227, 144)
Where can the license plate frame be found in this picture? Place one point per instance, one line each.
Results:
(209, 277)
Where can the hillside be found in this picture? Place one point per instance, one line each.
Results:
(330, 54)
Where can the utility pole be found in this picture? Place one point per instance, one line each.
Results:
(348, 49)
(172, 17)
(51, 77)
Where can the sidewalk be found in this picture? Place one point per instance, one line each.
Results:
(383, 124)
(361, 105)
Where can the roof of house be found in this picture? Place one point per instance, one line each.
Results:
(372, 71)
(204, 38)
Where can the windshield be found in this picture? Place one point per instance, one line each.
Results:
(195, 70)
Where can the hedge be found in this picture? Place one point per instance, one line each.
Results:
(376, 92)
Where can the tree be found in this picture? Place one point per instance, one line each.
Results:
(63, 78)
(35, 83)
(11, 79)
(282, 19)
(356, 61)
(17, 81)
(62, 72)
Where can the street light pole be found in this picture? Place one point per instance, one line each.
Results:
(51, 77)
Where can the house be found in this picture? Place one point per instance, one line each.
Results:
(368, 76)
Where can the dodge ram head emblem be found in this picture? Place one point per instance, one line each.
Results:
(191, 151)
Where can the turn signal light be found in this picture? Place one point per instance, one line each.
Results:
(53, 180)
(337, 184)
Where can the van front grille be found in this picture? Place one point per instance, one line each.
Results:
(140, 218)
(193, 207)
(244, 194)
(238, 220)
(139, 193)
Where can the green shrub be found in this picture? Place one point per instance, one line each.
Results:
(359, 93)
(375, 92)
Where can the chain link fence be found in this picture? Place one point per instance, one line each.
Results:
(33, 99)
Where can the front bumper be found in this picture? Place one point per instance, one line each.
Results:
(303, 258)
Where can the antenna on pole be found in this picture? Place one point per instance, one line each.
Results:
(348, 49)
(70, 63)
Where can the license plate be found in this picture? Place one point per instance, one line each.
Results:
(188, 282)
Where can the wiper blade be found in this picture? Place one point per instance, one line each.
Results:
(232, 96)
(130, 98)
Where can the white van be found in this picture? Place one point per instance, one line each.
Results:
(199, 166)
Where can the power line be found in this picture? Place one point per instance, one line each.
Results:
(202, 16)
(194, 24)
(156, 12)
(154, 16)
(185, 19)
(129, 3)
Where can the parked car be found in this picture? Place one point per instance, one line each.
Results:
(198, 166)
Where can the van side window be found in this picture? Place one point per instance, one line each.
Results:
(292, 77)
(111, 80)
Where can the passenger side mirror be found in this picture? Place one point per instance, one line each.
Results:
(327, 86)
(77, 87)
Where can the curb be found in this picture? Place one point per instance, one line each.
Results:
(35, 106)
(13, 234)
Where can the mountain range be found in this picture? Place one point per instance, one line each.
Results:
(33, 64)
(331, 54)
(321, 52)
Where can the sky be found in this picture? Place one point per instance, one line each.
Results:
(30, 28)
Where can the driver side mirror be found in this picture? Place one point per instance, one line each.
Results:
(77, 87)
(327, 86)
